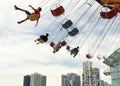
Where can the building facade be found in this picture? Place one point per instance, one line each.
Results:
(26, 80)
(101, 83)
(115, 74)
(90, 76)
(38, 80)
(71, 79)
(107, 84)
(113, 61)
(34, 80)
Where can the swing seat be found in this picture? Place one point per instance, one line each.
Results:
(52, 44)
(110, 14)
(68, 48)
(88, 56)
(99, 57)
(58, 11)
(73, 32)
(67, 24)
(63, 43)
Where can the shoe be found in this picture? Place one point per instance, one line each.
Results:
(18, 22)
(73, 56)
(16, 8)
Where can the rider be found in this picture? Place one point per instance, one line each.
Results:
(56, 47)
(42, 38)
(74, 51)
(31, 16)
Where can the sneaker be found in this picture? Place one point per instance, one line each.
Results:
(19, 22)
(16, 8)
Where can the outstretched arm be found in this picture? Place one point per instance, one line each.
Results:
(32, 7)
(37, 20)
(36, 23)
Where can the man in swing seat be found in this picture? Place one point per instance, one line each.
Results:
(56, 47)
(74, 51)
(42, 38)
(35, 16)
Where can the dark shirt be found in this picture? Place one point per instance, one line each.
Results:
(75, 50)
(44, 38)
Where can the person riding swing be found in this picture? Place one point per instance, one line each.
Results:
(35, 16)
(42, 39)
(74, 51)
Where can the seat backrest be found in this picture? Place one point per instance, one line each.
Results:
(58, 11)
(110, 14)
(63, 43)
(73, 32)
(68, 48)
(88, 56)
(67, 24)
(52, 44)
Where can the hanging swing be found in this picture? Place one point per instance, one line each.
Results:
(73, 32)
(110, 14)
(68, 47)
(63, 43)
(89, 56)
(52, 44)
(67, 23)
(99, 57)
(57, 10)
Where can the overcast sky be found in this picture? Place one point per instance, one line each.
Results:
(21, 56)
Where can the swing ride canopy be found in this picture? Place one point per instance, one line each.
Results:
(110, 3)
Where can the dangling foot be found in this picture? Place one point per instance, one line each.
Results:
(19, 22)
(37, 43)
(73, 56)
(16, 8)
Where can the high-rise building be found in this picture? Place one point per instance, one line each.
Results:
(26, 81)
(71, 79)
(34, 80)
(38, 80)
(101, 83)
(106, 84)
(90, 76)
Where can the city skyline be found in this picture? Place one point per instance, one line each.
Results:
(69, 79)
(21, 56)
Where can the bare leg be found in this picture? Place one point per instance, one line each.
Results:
(19, 22)
(75, 54)
(17, 8)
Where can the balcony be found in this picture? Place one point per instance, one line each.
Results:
(113, 59)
